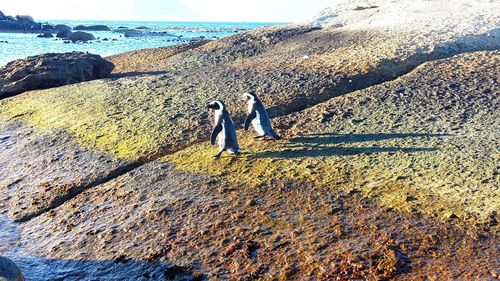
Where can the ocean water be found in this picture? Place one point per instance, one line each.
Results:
(21, 45)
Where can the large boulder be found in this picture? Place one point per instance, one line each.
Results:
(64, 34)
(18, 24)
(51, 70)
(9, 25)
(92, 28)
(24, 19)
(80, 36)
(9, 270)
(62, 27)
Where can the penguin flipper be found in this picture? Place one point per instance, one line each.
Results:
(249, 119)
(215, 133)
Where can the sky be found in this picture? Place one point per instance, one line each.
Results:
(168, 10)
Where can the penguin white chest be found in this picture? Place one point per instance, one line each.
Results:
(257, 125)
(222, 138)
(256, 122)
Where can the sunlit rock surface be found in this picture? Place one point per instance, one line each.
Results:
(388, 167)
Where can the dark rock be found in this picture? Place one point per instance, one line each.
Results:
(9, 270)
(62, 27)
(133, 33)
(92, 28)
(80, 36)
(51, 70)
(175, 271)
(64, 34)
(24, 19)
(139, 33)
(47, 27)
(45, 35)
(9, 25)
(141, 27)
(18, 24)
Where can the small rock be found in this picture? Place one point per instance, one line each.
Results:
(410, 198)
(251, 202)
(45, 35)
(450, 215)
(173, 271)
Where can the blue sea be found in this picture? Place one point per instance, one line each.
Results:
(21, 45)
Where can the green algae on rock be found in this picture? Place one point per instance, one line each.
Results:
(390, 141)
(140, 116)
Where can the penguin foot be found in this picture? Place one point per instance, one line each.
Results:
(235, 153)
(216, 155)
(259, 137)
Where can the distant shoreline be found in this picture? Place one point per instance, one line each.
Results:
(22, 44)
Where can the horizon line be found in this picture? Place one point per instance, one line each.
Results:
(165, 21)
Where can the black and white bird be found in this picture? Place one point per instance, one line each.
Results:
(258, 117)
(223, 129)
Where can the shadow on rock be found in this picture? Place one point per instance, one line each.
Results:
(124, 269)
(318, 145)
(330, 138)
(130, 74)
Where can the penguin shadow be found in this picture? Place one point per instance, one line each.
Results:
(136, 73)
(320, 145)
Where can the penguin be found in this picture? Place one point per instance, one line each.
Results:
(223, 129)
(257, 115)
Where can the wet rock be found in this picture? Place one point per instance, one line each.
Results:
(80, 36)
(142, 33)
(174, 272)
(64, 34)
(92, 28)
(51, 70)
(24, 19)
(45, 35)
(47, 27)
(62, 27)
(19, 23)
(9, 270)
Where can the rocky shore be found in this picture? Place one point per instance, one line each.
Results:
(388, 167)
